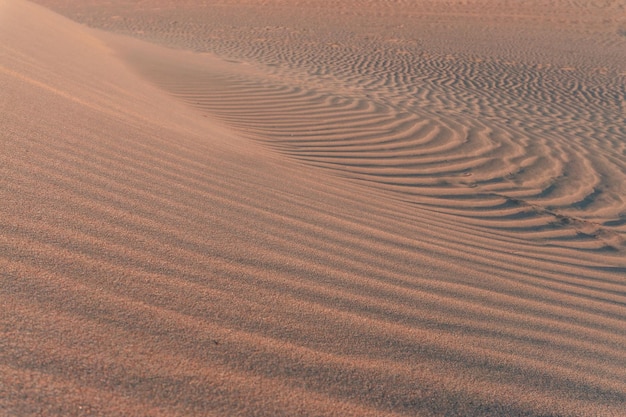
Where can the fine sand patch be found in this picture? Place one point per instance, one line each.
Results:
(349, 221)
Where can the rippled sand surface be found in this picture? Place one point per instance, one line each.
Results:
(313, 208)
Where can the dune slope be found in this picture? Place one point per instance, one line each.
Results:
(161, 256)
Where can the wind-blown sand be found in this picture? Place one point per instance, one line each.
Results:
(302, 208)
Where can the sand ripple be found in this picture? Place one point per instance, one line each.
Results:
(343, 235)
(473, 139)
(496, 121)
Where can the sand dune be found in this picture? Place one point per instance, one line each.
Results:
(519, 114)
(350, 221)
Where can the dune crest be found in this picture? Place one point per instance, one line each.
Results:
(175, 240)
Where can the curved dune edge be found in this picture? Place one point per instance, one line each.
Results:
(157, 262)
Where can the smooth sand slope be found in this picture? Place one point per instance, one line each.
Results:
(304, 228)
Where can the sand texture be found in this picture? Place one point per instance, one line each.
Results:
(312, 208)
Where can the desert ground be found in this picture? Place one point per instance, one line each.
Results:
(312, 208)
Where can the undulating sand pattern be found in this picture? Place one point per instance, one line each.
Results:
(294, 208)
(514, 140)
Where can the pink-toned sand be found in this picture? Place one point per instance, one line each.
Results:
(312, 208)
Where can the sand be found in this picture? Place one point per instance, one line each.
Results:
(305, 208)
